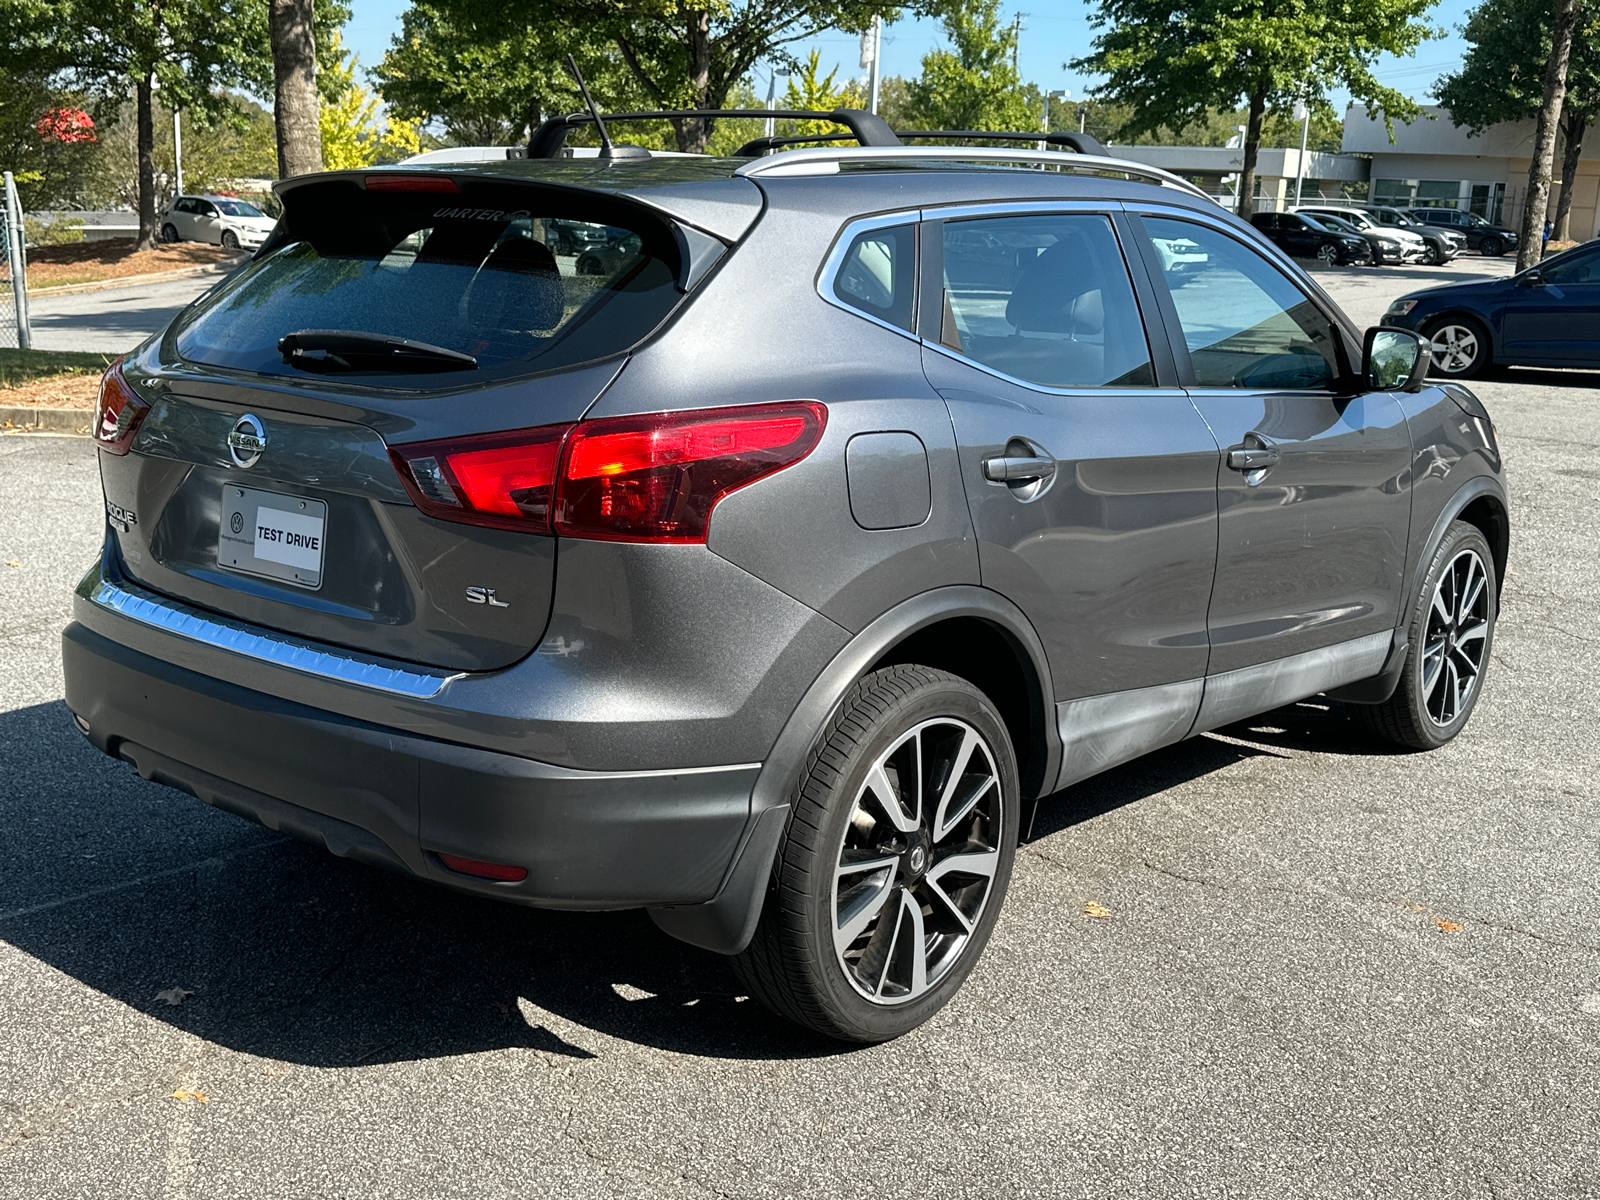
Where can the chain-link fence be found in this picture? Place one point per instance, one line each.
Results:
(14, 330)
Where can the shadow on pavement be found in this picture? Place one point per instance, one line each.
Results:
(295, 955)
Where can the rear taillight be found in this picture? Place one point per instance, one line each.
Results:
(656, 478)
(499, 872)
(652, 478)
(119, 411)
(504, 480)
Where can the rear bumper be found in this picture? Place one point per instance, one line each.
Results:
(588, 839)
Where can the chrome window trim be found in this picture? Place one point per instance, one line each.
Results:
(841, 246)
(135, 604)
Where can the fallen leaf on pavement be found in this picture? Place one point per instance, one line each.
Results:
(11, 562)
(174, 996)
(1446, 926)
(1096, 909)
(194, 1094)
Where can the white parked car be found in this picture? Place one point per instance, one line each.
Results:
(220, 220)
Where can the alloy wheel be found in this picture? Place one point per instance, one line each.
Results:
(1328, 254)
(1457, 633)
(918, 860)
(1455, 349)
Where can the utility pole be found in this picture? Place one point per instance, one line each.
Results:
(772, 95)
(1016, 43)
(177, 151)
(1057, 94)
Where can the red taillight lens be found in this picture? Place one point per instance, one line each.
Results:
(499, 872)
(119, 411)
(652, 478)
(411, 183)
(656, 478)
(504, 480)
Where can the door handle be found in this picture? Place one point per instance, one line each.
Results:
(1017, 468)
(1255, 453)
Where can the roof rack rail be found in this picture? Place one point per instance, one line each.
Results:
(1083, 143)
(867, 128)
(829, 162)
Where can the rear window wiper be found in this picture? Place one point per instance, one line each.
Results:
(351, 350)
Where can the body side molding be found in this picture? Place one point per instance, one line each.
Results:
(1101, 732)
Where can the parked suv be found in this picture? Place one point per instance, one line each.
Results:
(220, 220)
(769, 579)
(1307, 237)
(1389, 245)
(1442, 242)
(1485, 237)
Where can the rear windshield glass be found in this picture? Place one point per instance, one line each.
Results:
(522, 279)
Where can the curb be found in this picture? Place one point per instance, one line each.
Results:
(216, 268)
(20, 418)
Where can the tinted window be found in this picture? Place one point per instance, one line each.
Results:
(1045, 299)
(205, 208)
(185, 205)
(1245, 323)
(238, 208)
(877, 274)
(1581, 266)
(468, 272)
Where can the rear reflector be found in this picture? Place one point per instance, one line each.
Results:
(499, 872)
(652, 478)
(656, 478)
(503, 480)
(411, 183)
(118, 413)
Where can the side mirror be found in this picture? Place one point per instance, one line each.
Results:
(1530, 278)
(1394, 360)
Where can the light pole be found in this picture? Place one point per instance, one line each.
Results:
(871, 53)
(772, 95)
(177, 150)
(1056, 94)
(1302, 114)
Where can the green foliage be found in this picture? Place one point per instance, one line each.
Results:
(1173, 64)
(237, 143)
(49, 173)
(23, 366)
(811, 91)
(352, 135)
(52, 230)
(972, 85)
(1502, 76)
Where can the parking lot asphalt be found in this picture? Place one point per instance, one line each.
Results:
(1326, 969)
(112, 320)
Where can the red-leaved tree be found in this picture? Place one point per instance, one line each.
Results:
(66, 125)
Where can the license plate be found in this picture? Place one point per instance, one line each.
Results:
(272, 535)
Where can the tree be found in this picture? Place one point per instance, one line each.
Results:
(680, 54)
(809, 90)
(187, 50)
(1172, 62)
(1501, 79)
(295, 103)
(349, 133)
(43, 140)
(1530, 245)
(973, 84)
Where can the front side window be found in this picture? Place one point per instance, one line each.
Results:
(1245, 323)
(1580, 266)
(878, 274)
(492, 273)
(1045, 299)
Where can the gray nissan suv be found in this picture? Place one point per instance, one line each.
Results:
(767, 579)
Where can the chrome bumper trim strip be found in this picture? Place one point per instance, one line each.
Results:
(185, 622)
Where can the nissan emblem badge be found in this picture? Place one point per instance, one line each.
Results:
(247, 440)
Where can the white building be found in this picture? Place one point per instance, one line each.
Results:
(1216, 169)
(1435, 162)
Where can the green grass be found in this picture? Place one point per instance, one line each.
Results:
(24, 366)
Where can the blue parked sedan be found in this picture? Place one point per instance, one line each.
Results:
(1547, 316)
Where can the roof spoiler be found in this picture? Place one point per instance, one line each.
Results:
(868, 129)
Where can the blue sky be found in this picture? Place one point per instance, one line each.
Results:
(1054, 32)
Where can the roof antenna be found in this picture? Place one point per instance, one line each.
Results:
(607, 150)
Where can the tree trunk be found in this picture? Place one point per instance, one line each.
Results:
(1574, 124)
(296, 107)
(1531, 246)
(695, 132)
(1252, 149)
(146, 122)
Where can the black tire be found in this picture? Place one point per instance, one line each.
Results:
(1460, 347)
(1424, 713)
(230, 239)
(1432, 256)
(1328, 253)
(169, 233)
(563, 245)
(589, 265)
(1491, 247)
(793, 965)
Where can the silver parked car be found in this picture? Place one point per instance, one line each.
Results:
(220, 220)
(767, 578)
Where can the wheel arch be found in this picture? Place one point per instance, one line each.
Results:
(963, 629)
(1480, 502)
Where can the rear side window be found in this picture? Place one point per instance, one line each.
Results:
(1245, 324)
(877, 274)
(1045, 299)
(523, 279)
